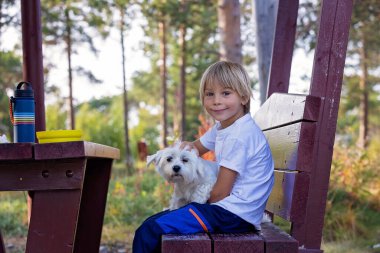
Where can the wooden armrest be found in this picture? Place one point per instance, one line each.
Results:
(74, 149)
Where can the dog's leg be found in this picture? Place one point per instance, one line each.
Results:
(202, 193)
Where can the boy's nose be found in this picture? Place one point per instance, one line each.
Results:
(216, 100)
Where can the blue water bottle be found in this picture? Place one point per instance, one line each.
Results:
(22, 113)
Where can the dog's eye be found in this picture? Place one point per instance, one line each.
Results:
(185, 160)
(169, 159)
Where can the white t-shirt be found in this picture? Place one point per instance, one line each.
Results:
(242, 147)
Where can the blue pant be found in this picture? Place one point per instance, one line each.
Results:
(190, 219)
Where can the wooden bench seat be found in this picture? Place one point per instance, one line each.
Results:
(270, 240)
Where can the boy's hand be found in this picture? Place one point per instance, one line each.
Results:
(187, 145)
(195, 145)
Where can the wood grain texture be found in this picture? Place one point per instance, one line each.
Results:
(292, 145)
(16, 151)
(289, 196)
(2, 248)
(283, 109)
(32, 55)
(277, 241)
(282, 53)
(326, 82)
(199, 243)
(74, 149)
(42, 175)
(92, 206)
(238, 243)
(53, 221)
(303, 250)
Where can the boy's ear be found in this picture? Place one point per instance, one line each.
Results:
(244, 100)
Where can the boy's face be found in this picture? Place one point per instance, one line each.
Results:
(223, 104)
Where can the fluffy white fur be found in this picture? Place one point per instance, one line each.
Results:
(193, 177)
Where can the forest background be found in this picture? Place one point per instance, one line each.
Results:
(159, 103)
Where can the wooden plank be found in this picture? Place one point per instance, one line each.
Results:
(283, 109)
(292, 146)
(53, 221)
(283, 45)
(2, 248)
(16, 151)
(289, 196)
(303, 250)
(92, 207)
(326, 82)
(186, 243)
(74, 149)
(250, 242)
(42, 175)
(277, 241)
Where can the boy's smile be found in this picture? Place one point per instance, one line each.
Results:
(223, 104)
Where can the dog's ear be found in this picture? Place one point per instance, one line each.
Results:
(154, 158)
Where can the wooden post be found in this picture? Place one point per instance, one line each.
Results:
(283, 45)
(329, 61)
(32, 62)
(32, 55)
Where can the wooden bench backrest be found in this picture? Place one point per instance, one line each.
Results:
(301, 128)
(289, 124)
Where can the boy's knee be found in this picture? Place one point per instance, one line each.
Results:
(147, 237)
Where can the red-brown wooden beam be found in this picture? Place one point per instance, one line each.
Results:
(283, 45)
(32, 55)
(2, 248)
(329, 61)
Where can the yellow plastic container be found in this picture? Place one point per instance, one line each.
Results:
(59, 136)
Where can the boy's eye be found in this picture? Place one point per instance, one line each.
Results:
(209, 94)
(169, 159)
(226, 93)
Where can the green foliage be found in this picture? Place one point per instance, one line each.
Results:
(10, 75)
(13, 213)
(102, 124)
(353, 202)
(131, 200)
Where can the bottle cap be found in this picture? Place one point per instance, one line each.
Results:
(26, 92)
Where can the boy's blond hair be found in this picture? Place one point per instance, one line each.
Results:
(228, 75)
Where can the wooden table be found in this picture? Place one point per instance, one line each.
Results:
(68, 183)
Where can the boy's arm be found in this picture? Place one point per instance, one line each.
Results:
(223, 186)
(201, 149)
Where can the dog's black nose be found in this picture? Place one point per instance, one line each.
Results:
(176, 168)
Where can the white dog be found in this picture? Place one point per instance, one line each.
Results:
(193, 177)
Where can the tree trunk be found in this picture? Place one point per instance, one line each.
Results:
(163, 74)
(71, 123)
(182, 93)
(128, 156)
(265, 12)
(229, 27)
(363, 107)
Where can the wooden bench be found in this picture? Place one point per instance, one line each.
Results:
(301, 131)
